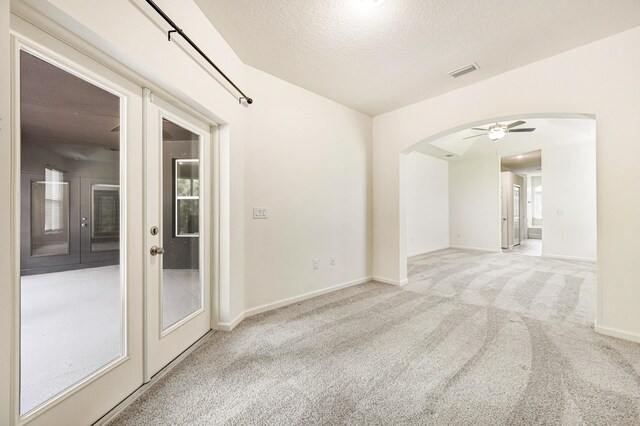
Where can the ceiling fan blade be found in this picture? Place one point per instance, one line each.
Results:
(515, 124)
(477, 128)
(474, 136)
(526, 129)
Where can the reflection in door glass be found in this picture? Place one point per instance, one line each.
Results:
(181, 283)
(50, 215)
(105, 217)
(187, 197)
(71, 297)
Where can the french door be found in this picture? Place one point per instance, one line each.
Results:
(79, 347)
(111, 212)
(178, 206)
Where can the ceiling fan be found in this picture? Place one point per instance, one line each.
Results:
(498, 131)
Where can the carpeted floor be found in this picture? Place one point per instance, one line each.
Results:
(474, 338)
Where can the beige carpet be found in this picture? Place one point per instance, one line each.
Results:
(474, 338)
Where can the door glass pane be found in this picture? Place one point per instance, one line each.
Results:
(72, 311)
(181, 283)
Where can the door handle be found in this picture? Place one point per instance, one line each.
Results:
(84, 225)
(155, 250)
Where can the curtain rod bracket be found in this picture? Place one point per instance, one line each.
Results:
(169, 34)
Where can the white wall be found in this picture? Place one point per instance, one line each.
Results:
(307, 161)
(600, 78)
(569, 201)
(474, 203)
(427, 182)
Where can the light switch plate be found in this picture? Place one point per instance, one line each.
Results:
(260, 213)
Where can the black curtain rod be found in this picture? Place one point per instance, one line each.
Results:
(176, 29)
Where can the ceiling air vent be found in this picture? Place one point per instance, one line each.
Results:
(464, 70)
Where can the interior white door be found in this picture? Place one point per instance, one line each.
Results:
(79, 348)
(516, 215)
(504, 214)
(178, 231)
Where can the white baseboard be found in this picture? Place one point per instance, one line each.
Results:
(614, 332)
(562, 257)
(279, 304)
(390, 281)
(488, 250)
(228, 326)
(428, 251)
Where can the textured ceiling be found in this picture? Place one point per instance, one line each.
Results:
(379, 58)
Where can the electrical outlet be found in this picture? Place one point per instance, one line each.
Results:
(459, 235)
(332, 260)
(260, 213)
(315, 264)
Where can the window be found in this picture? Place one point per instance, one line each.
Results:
(537, 202)
(53, 201)
(536, 198)
(187, 192)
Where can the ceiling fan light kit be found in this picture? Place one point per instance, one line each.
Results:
(497, 131)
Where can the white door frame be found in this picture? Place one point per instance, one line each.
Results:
(31, 20)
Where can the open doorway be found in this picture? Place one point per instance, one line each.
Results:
(521, 203)
(458, 181)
